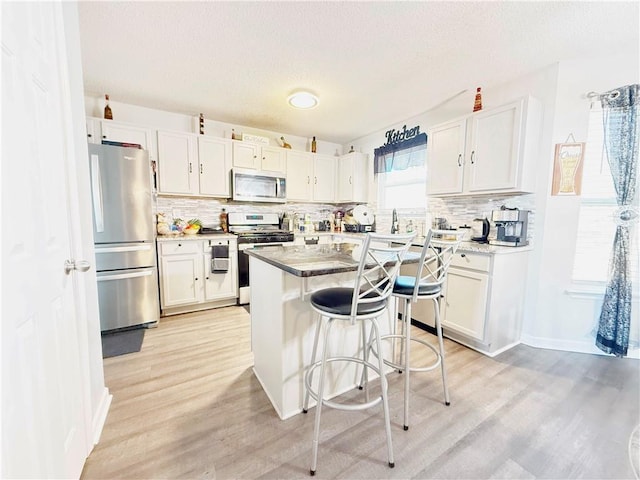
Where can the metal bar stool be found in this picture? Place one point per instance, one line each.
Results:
(378, 268)
(436, 256)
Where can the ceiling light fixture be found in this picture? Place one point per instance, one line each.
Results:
(303, 100)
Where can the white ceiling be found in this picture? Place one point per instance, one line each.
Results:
(373, 64)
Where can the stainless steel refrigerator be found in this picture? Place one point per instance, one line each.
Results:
(124, 237)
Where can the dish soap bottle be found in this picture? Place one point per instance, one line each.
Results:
(223, 221)
(394, 222)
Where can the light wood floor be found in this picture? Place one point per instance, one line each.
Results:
(188, 406)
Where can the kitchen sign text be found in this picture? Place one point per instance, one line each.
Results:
(395, 136)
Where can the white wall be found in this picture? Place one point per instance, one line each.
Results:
(163, 120)
(557, 318)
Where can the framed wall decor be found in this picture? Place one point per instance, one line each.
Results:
(567, 168)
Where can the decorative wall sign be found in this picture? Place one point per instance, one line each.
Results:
(395, 136)
(567, 168)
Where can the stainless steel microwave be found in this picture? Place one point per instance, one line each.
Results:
(258, 186)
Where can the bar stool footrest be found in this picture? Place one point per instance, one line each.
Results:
(389, 363)
(341, 406)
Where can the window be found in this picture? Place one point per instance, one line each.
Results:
(597, 219)
(404, 188)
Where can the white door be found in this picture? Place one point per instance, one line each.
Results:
(274, 159)
(44, 432)
(180, 279)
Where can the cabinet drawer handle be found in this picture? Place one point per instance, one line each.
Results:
(308, 179)
(201, 172)
(190, 167)
(349, 179)
(473, 152)
(460, 160)
(315, 181)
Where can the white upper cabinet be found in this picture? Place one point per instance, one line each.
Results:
(491, 151)
(352, 178)
(99, 129)
(190, 164)
(445, 157)
(215, 162)
(311, 177)
(324, 178)
(177, 163)
(258, 157)
(299, 176)
(274, 159)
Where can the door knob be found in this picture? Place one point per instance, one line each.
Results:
(79, 265)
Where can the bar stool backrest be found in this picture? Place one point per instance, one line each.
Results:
(379, 266)
(437, 253)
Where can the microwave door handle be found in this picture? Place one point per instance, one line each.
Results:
(96, 192)
(277, 188)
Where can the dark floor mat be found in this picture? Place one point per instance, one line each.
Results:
(120, 343)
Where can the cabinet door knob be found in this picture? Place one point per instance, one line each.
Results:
(179, 244)
(462, 255)
(196, 279)
(206, 278)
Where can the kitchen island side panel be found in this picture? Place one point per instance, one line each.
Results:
(282, 331)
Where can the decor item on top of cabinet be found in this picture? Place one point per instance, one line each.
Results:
(249, 137)
(351, 150)
(201, 124)
(108, 114)
(234, 135)
(411, 142)
(567, 168)
(477, 104)
(284, 143)
(313, 145)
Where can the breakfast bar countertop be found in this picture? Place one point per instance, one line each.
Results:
(314, 260)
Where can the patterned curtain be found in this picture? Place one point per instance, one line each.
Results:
(621, 138)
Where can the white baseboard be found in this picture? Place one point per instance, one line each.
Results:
(100, 416)
(577, 346)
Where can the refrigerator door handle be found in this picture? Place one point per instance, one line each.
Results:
(121, 276)
(96, 193)
(131, 248)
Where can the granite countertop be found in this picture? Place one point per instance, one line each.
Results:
(313, 260)
(197, 236)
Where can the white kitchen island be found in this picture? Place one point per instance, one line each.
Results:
(283, 323)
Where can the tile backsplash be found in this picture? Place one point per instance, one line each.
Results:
(208, 209)
(457, 210)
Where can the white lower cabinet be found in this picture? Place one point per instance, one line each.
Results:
(187, 282)
(484, 298)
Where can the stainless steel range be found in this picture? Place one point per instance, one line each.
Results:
(254, 230)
